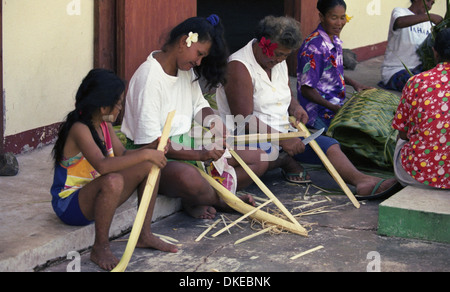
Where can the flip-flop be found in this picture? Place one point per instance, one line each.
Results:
(302, 176)
(383, 195)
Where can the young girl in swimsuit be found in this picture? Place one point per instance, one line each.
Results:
(94, 174)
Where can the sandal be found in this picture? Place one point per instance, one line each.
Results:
(383, 195)
(302, 177)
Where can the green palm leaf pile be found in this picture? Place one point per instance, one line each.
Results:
(363, 126)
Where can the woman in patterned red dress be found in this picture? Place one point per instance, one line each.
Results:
(422, 156)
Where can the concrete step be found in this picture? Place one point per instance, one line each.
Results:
(36, 249)
(31, 234)
(416, 213)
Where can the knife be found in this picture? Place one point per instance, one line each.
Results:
(307, 140)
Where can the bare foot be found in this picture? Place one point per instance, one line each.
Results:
(294, 171)
(366, 187)
(209, 212)
(152, 241)
(201, 212)
(248, 199)
(103, 257)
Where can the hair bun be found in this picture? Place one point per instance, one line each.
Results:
(213, 19)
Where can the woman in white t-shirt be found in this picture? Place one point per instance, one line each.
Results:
(408, 29)
(168, 81)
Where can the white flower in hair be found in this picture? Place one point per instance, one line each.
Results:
(192, 38)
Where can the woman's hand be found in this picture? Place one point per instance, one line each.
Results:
(356, 85)
(214, 153)
(300, 115)
(361, 87)
(157, 157)
(219, 132)
(293, 146)
(166, 149)
(334, 107)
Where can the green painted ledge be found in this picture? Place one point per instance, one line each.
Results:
(416, 213)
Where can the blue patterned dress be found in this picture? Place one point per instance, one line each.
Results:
(321, 66)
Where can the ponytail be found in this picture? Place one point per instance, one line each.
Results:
(100, 88)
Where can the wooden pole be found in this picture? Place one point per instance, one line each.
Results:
(241, 218)
(237, 204)
(145, 201)
(307, 252)
(207, 230)
(255, 138)
(255, 234)
(333, 172)
(264, 188)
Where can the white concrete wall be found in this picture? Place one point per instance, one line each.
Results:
(370, 23)
(48, 48)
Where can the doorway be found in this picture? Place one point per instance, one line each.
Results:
(126, 32)
(240, 18)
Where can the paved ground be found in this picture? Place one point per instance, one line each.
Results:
(31, 237)
(348, 236)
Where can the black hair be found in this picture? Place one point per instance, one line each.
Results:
(213, 66)
(100, 88)
(326, 5)
(442, 44)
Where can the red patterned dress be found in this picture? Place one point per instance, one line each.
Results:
(424, 114)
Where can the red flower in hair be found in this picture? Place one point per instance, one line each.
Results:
(267, 47)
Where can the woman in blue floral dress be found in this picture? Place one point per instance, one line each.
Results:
(320, 72)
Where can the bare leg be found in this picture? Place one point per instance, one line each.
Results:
(199, 199)
(252, 157)
(146, 238)
(181, 180)
(364, 183)
(289, 165)
(99, 201)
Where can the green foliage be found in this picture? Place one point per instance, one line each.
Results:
(425, 51)
(363, 126)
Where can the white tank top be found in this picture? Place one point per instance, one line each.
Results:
(271, 98)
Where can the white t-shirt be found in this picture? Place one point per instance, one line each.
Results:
(403, 44)
(152, 94)
(271, 98)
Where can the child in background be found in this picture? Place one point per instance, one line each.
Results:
(321, 82)
(94, 174)
(408, 29)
